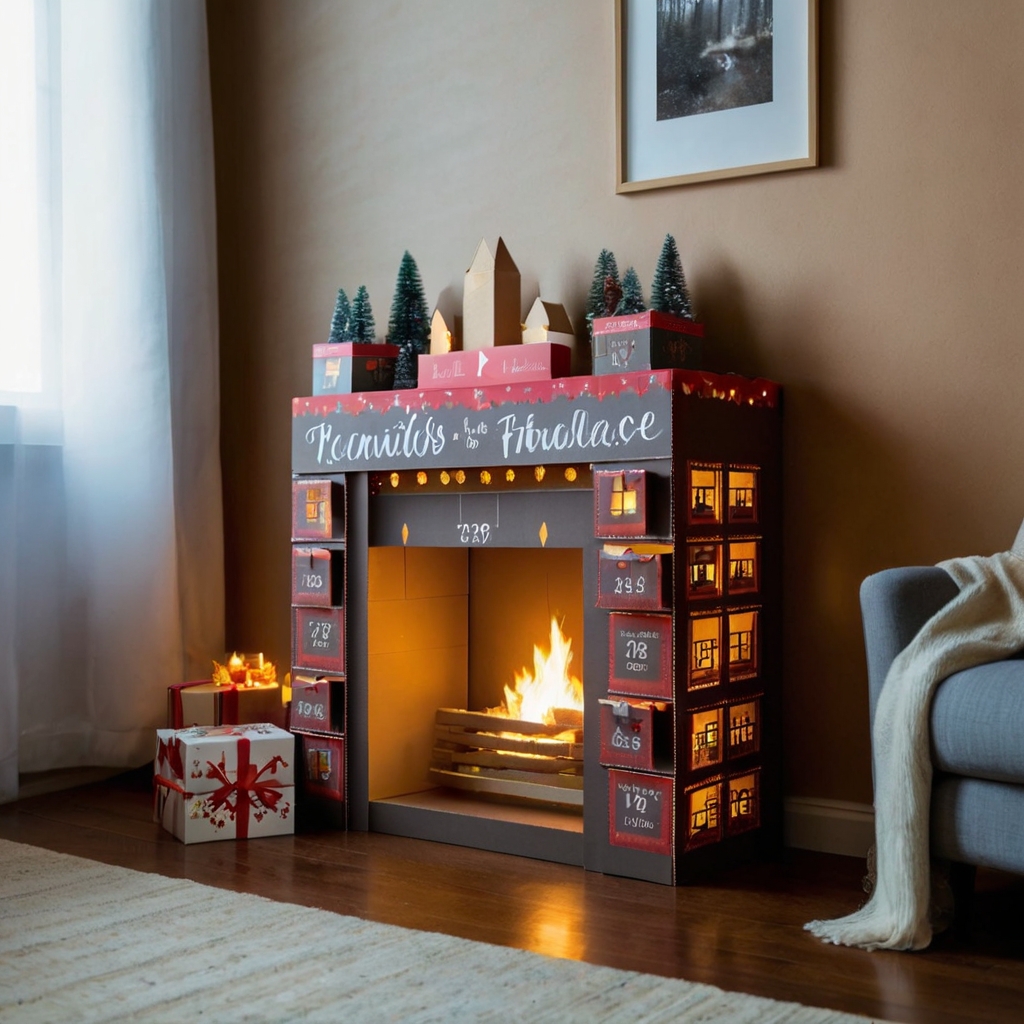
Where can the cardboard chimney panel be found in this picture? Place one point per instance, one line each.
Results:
(491, 300)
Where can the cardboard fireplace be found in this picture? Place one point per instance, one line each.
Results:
(544, 616)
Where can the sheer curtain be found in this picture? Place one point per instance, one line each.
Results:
(111, 553)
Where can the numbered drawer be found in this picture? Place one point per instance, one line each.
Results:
(629, 580)
(321, 770)
(640, 811)
(318, 704)
(318, 639)
(636, 734)
(318, 509)
(640, 655)
(620, 503)
(318, 576)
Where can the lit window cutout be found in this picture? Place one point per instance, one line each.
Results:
(421, 478)
(743, 567)
(705, 824)
(742, 644)
(706, 734)
(538, 473)
(623, 501)
(705, 494)
(743, 803)
(316, 506)
(705, 640)
(743, 738)
(445, 477)
(705, 560)
(570, 473)
(394, 478)
(743, 495)
(510, 475)
(460, 476)
(485, 477)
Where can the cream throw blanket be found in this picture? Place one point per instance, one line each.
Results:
(983, 623)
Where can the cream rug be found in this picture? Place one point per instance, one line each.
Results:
(82, 941)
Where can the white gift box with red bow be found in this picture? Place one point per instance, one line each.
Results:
(225, 782)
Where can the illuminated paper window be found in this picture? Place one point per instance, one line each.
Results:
(744, 803)
(743, 567)
(743, 729)
(704, 578)
(704, 823)
(743, 495)
(705, 494)
(705, 738)
(620, 503)
(705, 644)
(742, 644)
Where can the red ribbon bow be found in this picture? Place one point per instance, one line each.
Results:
(248, 789)
(171, 753)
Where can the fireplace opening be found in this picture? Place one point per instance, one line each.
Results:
(449, 629)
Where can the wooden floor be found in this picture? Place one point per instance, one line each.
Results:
(741, 932)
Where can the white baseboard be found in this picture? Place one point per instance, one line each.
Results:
(829, 826)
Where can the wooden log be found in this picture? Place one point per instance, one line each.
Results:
(507, 759)
(484, 722)
(450, 736)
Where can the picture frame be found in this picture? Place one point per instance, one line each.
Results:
(712, 89)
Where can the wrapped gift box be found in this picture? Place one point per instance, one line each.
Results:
(226, 782)
(206, 703)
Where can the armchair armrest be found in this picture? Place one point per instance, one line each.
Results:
(895, 604)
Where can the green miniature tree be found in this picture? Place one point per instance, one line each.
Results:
(408, 326)
(632, 300)
(668, 289)
(360, 322)
(603, 269)
(339, 322)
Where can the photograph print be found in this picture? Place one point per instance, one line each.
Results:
(713, 55)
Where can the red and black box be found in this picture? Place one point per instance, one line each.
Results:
(629, 581)
(318, 640)
(318, 509)
(318, 576)
(640, 811)
(646, 341)
(321, 769)
(318, 705)
(636, 734)
(345, 367)
(640, 655)
(620, 503)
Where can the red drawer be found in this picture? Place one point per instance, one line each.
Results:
(318, 509)
(640, 811)
(620, 503)
(636, 734)
(318, 639)
(318, 576)
(318, 705)
(630, 581)
(640, 655)
(321, 770)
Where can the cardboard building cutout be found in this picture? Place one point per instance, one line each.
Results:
(490, 303)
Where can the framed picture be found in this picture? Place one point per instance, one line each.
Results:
(712, 89)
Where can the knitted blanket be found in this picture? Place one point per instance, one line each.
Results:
(983, 623)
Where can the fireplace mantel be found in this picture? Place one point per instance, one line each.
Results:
(668, 484)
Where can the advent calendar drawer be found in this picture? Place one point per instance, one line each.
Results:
(318, 509)
(629, 580)
(640, 811)
(318, 705)
(636, 734)
(318, 639)
(640, 655)
(318, 576)
(321, 768)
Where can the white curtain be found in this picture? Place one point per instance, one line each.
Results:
(111, 550)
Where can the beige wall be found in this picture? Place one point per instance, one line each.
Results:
(883, 289)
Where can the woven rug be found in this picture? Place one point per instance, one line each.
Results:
(83, 941)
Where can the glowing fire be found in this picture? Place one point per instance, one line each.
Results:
(535, 697)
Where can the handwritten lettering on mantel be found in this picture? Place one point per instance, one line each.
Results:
(588, 429)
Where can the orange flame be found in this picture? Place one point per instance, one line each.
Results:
(534, 697)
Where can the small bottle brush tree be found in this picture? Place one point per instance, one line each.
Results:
(339, 322)
(632, 301)
(668, 289)
(408, 326)
(603, 269)
(361, 327)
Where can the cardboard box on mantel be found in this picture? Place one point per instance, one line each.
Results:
(205, 703)
(229, 782)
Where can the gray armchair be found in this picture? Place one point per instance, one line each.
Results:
(977, 725)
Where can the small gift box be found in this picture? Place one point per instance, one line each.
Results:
(227, 782)
(243, 690)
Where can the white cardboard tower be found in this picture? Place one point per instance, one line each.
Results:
(490, 301)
